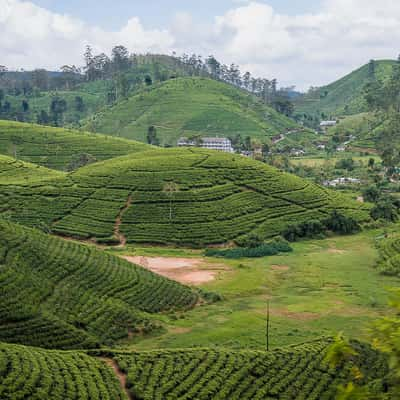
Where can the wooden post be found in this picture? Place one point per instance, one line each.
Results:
(268, 325)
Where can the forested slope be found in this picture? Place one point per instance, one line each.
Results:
(344, 96)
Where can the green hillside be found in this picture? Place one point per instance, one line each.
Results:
(37, 374)
(58, 148)
(345, 96)
(172, 196)
(21, 173)
(296, 373)
(191, 106)
(60, 294)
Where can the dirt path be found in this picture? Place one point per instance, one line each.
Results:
(120, 375)
(118, 222)
(192, 271)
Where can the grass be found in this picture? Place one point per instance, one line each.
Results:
(56, 147)
(323, 287)
(191, 106)
(219, 198)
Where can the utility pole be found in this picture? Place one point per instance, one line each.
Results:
(268, 325)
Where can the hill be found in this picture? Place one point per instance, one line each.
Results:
(38, 89)
(173, 196)
(33, 373)
(188, 107)
(20, 172)
(345, 96)
(60, 294)
(292, 373)
(60, 148)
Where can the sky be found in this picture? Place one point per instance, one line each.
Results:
(299, 42)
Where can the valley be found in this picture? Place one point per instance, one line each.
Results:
(174, 228)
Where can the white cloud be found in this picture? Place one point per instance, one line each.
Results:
(306, 49)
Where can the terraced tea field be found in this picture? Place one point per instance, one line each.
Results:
(188, 197)
(59, 294)
(297, 373)
(389, 251)
(36, 374)
(192, 106)
(56, 147)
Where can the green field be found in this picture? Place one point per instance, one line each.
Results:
(345, 96)
(216, 198)
(60, 294)
(191, 106)
(56, 147)
(323, 287)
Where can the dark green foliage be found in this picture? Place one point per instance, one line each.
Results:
(342, 224)
(36, 374)
(336, 222)
(296, 373)
(267, 249)
(371, 194)
(345, 163)
(385, 209)
(389, 255)
(60, 294)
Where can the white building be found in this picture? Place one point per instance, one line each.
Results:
(212, 143)
(327, 124)
(342, 181)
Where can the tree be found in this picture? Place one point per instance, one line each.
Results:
(58, 107)
(170, 188)
(25, 106)
(152, 136)
(148, 81)
(371, 69)
(120, 58)
(43, 118)
(40, 79)
(122, 86)
(79, 105)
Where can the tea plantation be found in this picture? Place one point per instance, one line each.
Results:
(389, 251)
(183, 196)
(297, 373)
(36, 374)
(191, 106)
(59, 294)
(56, 147)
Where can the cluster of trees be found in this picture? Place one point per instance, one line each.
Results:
(264, 88)
(336, 222)
(385, 206)
(383, 99)
(101, 66)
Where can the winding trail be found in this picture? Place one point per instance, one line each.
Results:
(120, 375)
(118, 222)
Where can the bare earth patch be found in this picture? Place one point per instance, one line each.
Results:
(280, 268)
(192, 271)
(335, 251)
